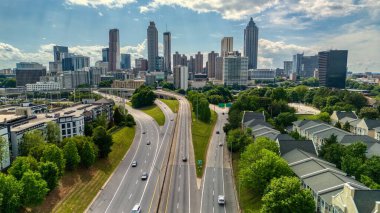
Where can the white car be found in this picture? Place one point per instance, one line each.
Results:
(136, 208)
(134, 163)
(221, 200)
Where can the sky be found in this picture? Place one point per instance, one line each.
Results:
(30, 28)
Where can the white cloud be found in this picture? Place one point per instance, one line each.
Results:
(96, 3)
(100, 13)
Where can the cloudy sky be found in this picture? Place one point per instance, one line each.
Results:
(29, 28)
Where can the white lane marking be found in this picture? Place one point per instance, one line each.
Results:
(177, 205)
(145, 161)
(213, 179)
(137, 181)
(179, 188)
(130, 196)
(213, 192)
(125, 174)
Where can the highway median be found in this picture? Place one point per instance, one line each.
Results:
(155, 112)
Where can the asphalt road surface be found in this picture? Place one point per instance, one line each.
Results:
(125, 187)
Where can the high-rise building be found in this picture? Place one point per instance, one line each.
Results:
(227, 45)
(114, 50)
(167, 51)
(235, 70)
(199, 63)
(152, 35)
(75, 62)
(191, 65)
(125, 61)
(29, 73)
(219, 68)
(297, 64)
(105, 54)
(288, 65)
(160, 63)
(60, 52)
(181, 76)
(72, 79)
(332, 68)
(211, 64)
(304, 66)
(184, 60)
(251, 38)
(141, 64)
(176, 59)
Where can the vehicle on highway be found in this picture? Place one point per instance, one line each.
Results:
(144, 176)
(148, 143)
(134, 163)
(221, 200)
(220, 144)
(172, 119)
(184, 158)
(223, 113)
(136, 208)
(217, 132)
(144, 132)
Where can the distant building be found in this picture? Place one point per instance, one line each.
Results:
(262, 75)
(288, 66)
(226, 46)
(235, 70)
(129, 84)
(114, 50)
(167, 51)
(125, 61)
(160, 63)
(72, 79)
(152, 36)
(150, 79)
(181, 76)
(43, 86)
(102, 65)
(280, 72)
(211, 64)
(199, 63)
(219, 68)
(191, 65)
(304, 66)
(105, 54)
(94, 75)
(176, 59)
(60, 52)
(251, 38)
(184, 60)
(332, 67)
(29, 73)
(75, 62)
(141, 64)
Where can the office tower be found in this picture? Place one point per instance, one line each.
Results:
(211, 64)
(94, 74)
(184, 60)
(288, 65)
(75, 62)
(219, 68)
(105, 54)
(297, 64)
(181, 76)
(227, 45)
(60, 52)
(160, 63)
(199, 63)
(114, 50)
(235, 70)
(125, 61)
(332, 68)
(152, 35)
(309, 64)
(191, 64)
(141, 64)
(167, 51)
(251, 38)
(176, 59)
(29, 73)
(72, 79)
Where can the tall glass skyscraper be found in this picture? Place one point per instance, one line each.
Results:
(251, 38)
(152, 35)
(60, 52)
(167, 51)
(125, 61)
(114, 50)
(332, 68)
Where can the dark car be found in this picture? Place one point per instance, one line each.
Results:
(148, 143)
(184, 158)
(217, 132)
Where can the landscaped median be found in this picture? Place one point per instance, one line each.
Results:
(201, 133)
(172, 104)
(155, 112)
(79, 187)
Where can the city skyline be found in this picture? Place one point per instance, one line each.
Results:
(353, 26)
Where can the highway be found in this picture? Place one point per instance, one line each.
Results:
(125, 188)
(218, 178)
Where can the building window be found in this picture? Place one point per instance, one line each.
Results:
(63, 126)
(69, 131)
(68, 125)
(63, 132)
(74, 130)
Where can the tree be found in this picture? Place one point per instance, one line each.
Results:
(103, 140)
(87, 154)
(35, 188)
(54, 154)
(3, 150)
(106, 83)
(237, 140)
(21, 165)
(53, 132)
(285, 119)
(11, 190)
(369, 182)
(129, 120)
(332, 151)
(369, 113)
(50, 173)
(324, 116)
(338, 125)
(29, 140)
(118, 116)
(351, 165)
(284, 194)
(143, 96)
(346, 127)
(371, 168)
(252, 152)
(71, 155)
(215, 99)
(101, 120)
(279, 94)
(257, 176)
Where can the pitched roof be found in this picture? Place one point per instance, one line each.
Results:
(300, 122)
(328, 132)
(284, 137)
(365, 200)
(347, 119)
(252, 123)
(310, 124)
(288, 145)
(342, 114)
(371, 124)
(249, 115)
(349, 139)
(270, 135)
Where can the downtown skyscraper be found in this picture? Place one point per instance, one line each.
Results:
(114, 50)
(211, 64)
(332, 68)
(167, 51)
(226, 46)
(251, 38)
(152, 36)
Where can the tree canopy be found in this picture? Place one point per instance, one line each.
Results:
(142, 97)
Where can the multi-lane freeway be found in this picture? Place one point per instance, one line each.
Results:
(125, 188)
